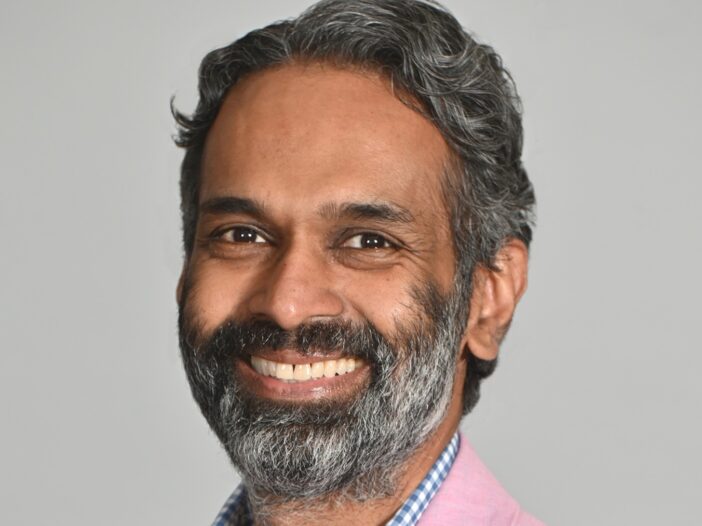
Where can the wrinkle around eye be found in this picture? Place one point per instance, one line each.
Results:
(236, 243)
(352, 253)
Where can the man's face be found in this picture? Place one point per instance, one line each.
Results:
(321, 278)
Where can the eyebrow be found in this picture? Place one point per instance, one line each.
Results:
(388, 212)
(233, 205)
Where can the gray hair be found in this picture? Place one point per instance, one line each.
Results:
(435, 67)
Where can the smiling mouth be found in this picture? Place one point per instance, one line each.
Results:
(303, 372)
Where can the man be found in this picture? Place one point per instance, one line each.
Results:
(356, 223)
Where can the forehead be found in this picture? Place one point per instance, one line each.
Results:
(313, 134)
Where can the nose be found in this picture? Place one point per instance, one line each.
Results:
(296, 288)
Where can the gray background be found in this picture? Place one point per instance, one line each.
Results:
(593, 415)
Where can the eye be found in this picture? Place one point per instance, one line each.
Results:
(242, 234)
(368, 241)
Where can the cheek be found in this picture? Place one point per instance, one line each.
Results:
(385, 300)
(214, 294)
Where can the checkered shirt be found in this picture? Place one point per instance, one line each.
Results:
(236, 512)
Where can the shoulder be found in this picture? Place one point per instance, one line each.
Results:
(471, 496)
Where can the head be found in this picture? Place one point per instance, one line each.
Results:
(352, 189)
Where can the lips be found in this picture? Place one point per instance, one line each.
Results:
(301, 377)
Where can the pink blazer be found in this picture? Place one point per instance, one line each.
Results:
(471, 496)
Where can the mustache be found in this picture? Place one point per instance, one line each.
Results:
(235, 339)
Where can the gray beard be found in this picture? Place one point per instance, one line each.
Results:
(339, 449)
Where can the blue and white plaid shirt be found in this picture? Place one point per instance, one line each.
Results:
(236, 512)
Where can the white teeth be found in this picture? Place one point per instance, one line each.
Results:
(329, 368)
(304, 371)
(284, 371)
(317, 370)
(258, 364)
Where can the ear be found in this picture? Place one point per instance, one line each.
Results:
(494, 298)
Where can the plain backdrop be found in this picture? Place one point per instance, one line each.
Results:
(592, 417)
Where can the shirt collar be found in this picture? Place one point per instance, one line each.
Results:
(235, 511)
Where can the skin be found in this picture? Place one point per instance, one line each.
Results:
(302, 142)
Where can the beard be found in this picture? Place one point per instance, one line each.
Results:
(338, 448)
